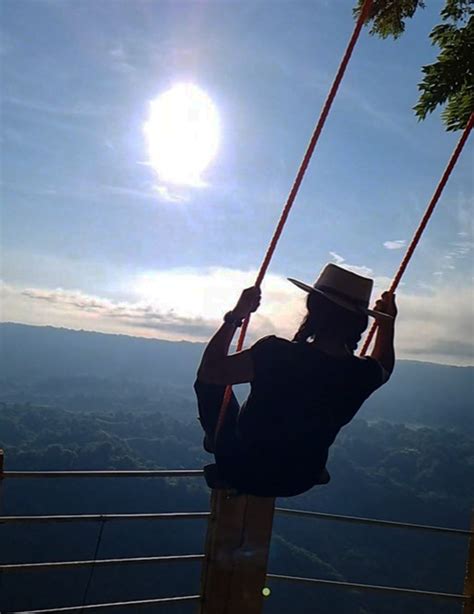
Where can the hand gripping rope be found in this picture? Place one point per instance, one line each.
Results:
(363, 15)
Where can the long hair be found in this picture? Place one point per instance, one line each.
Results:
(328, 320)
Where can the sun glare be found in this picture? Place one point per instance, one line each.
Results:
(182, 133)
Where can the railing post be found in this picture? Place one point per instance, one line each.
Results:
(469, 577)
(237, 545)
(2, 458)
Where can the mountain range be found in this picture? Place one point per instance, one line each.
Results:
(80, 368)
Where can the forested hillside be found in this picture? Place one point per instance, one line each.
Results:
(414, 473)
(79, 369)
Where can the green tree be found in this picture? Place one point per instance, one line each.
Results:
(450, 80)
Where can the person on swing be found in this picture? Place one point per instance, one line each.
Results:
(302, 392)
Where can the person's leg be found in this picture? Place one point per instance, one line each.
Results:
(209, 398)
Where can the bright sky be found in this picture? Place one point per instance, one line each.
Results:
(93, 238)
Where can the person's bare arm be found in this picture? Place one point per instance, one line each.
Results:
(384, 350)
(216, 366)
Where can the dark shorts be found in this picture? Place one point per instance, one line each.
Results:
(248, 469)
(231, 462)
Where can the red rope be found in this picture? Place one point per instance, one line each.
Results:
(299, 178)
(424, 221)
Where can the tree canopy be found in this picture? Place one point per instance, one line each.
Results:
(450, 80)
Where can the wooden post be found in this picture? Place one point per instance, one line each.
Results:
(469, 577)
(237, 546)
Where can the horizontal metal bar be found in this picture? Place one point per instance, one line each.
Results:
(373, 521)
(372, 587)
(102, 517)
(152, 473)
(119, 604)
(183, 558)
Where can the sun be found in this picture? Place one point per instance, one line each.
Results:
(182, 133)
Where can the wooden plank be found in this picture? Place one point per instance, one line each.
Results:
(237, 546)
(223, 537)
(249, 577)
(469, 577)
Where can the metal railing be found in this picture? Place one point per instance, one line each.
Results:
(101, 562)
(412, 592)
(467, 599)
(101, 517)
(139, 473)
(373, 521)
(142, 603)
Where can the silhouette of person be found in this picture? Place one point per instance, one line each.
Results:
(302, 392)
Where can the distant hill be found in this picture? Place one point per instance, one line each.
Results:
(86, 369)
(44, 351)
(426, 394)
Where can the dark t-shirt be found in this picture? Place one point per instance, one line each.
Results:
(299, 400)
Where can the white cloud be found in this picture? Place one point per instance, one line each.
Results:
(337, 258)
(75, 309)
(365, 271)
(460, 249)
(435, 324)
(397, 244)
(175, 304)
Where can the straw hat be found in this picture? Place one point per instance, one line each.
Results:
(344, 288)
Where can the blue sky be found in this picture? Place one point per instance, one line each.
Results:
(88, 240)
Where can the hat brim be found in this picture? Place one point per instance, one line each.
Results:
(340, 301)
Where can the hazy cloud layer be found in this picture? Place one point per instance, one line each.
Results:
(139, 315)
(437, 325)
